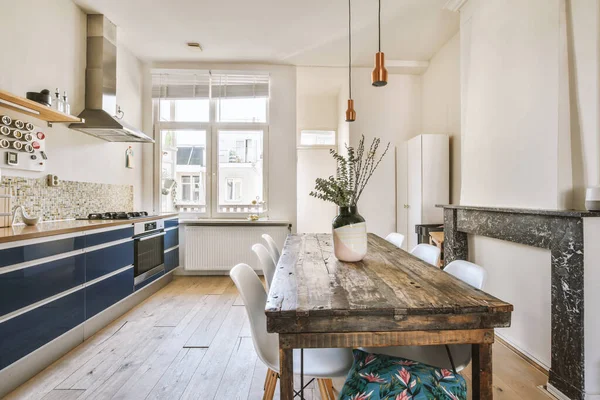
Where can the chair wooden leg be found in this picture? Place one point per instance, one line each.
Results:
(267, 379)
(323, 389)
(329, 386)
(270, 385)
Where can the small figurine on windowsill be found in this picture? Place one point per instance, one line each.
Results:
(253, 217)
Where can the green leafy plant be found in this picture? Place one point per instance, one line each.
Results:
(352, 174)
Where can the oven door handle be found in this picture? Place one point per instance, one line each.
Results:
(141, 239)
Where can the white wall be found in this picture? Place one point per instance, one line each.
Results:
(317, 94)
(44, 47)
(510, 128)
(440, 105)
(392, 113)
(281, 170)
(530, 105)
(583, 30)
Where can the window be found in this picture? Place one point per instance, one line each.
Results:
(213, 128)
(240, 165)
(195, 110)
(317, 138)
(183, 170)
(242, 110)
(234, 189)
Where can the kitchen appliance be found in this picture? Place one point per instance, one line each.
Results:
(149, 250)
(102, 118)
(115, 215)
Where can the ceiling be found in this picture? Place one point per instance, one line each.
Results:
(307, 32)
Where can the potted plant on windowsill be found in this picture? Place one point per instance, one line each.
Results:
(352, 175)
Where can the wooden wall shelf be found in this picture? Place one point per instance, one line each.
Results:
(36, 110)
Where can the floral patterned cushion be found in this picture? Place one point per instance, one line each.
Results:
(381, 377)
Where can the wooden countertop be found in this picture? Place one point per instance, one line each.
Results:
(50, 228)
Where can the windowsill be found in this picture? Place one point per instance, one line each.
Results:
(233, 222)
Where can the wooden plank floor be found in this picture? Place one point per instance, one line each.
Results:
(192, 340)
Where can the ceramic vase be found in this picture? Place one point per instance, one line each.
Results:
(349, 235)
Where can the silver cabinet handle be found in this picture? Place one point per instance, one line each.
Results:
(151, 236)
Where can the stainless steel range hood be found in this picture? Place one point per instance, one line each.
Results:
(100, 114)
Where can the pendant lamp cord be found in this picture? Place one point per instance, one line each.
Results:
(350, 48)
(379, 25)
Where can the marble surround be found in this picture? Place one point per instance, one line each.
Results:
(68, 200)
(562, 233)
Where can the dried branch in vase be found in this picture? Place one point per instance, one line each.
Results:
(352, 174)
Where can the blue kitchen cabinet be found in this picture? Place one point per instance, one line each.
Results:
(171, 238)
(148, 281)
(109, 259)
(107, 292)
(171, 259)
(95, 239)
(30, 252)
(26, 286)
(27, 332)
(170, 223)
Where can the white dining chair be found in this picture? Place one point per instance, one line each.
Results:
(428, 253)
(272, 246)
(395, 238)
(266, 263)
(438, 356)
(320, 364)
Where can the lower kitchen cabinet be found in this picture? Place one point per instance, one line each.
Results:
(107, 292)
(109, 259)
(171, 259)
(148, 281)
(26, 286)
(27, 332)
(171, 238)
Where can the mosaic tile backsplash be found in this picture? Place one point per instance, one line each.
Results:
(68, 200)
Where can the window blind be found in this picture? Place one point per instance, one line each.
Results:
(183, 85)
(227, 86)
(176, 85)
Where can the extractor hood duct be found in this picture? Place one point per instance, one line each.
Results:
(101, 116)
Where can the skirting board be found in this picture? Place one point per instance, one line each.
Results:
(27, 367)
(182, 272)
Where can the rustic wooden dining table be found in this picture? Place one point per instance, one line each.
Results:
(390, 298)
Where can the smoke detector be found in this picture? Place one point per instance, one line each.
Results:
(194, 46)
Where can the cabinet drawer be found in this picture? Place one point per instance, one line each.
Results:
(103, 294)
(107, 260)
(148, 281)
(29, 285)
(171, 238)
(169, 223)
(95, 239)
(171, 260)
(29, 331)
(30, 252)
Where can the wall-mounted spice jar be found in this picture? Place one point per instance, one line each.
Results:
(6, 120)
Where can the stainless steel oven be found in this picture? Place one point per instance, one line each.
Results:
(149, 255)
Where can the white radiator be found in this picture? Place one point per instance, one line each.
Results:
(218, 248)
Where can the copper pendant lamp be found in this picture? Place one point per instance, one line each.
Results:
(379, 74)
(350, 112)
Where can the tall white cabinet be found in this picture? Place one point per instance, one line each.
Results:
(423, 182)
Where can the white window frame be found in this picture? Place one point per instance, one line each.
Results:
(230, 126)
(317, 146)
(234, 182)
(211, 158)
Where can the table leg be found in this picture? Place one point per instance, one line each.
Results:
(482, 371)
(286, 373)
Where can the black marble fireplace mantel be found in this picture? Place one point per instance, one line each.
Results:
(561, 232)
